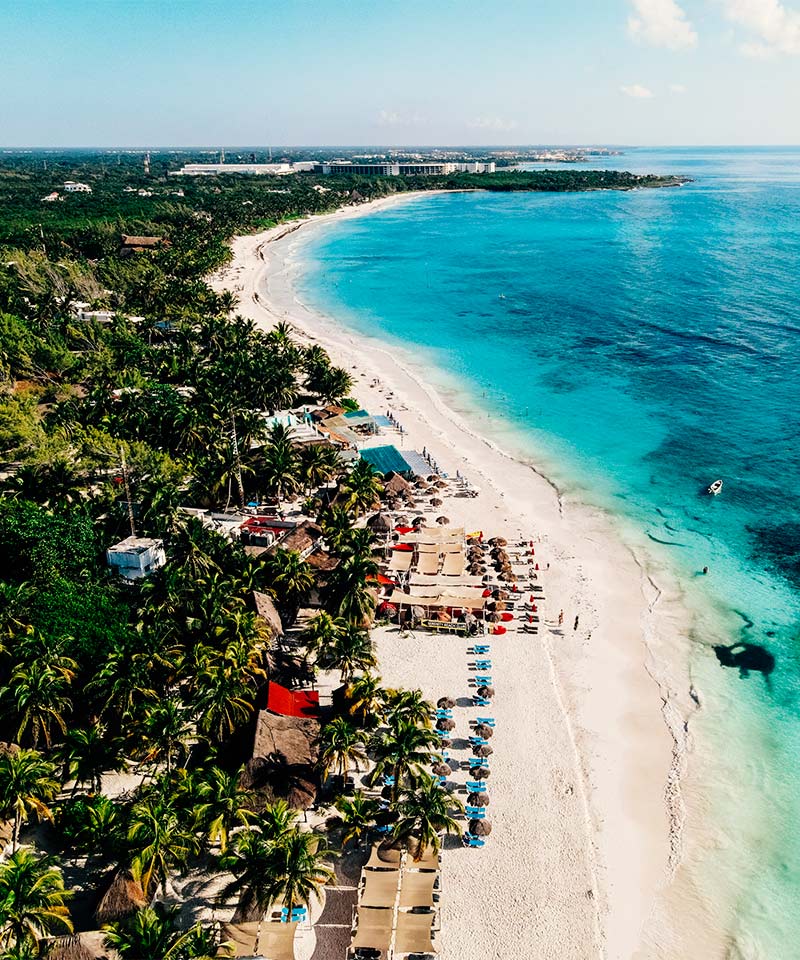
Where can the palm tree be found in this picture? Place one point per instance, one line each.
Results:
(356, 816)
(37, 697)
(361, 489)
(223, 702)
(365, 699)
(409, 705)
(317, 465)
(336, 525)
(404, 751)
(122, 685)
(87, 753)
(425, 812)
(290, 580)
(32, 902)
(27, 785)
(348, 593)
(151, 934)
(222, 805)
(159, 842)
(167, 729)
(350, 652)
(321, 631)
(340, 745)
(298, 870)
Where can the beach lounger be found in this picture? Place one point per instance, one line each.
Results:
(444, 714)
(453, 565)
(476, 813)
(471, 841)
(400, 561)
(483, 680)
(428, 564)
(478, 741)
(483, 664)
(489, 721)
(476, 786)
(481, 648)
(481, 702)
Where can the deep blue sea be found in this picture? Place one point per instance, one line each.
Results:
(647, 343)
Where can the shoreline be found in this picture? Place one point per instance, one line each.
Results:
(615, 700)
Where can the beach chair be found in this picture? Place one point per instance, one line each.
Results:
(478, 741)
(489, 721)
(388, 780)
(481, 702)
(483, 664)
(481, 648)
(470, 841)
(298, 914)
(475, 786)
(483, 680)
(476, 813)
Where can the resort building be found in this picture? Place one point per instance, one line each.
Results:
(130, 244)
(72, 187)
(135, 557)
(51, 197)
(214, 169)
(397, 169)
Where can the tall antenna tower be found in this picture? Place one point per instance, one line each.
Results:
(237, 460)
(222, 154)
(127, 490)
(147, 162)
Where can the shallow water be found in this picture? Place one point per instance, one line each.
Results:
(647, 342)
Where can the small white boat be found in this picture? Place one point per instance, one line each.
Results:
(715, 488)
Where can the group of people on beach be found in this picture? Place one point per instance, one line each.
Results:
(561, 620)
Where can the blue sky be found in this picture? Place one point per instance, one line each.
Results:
(246, 72)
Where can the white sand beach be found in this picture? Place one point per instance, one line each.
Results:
(590, 722)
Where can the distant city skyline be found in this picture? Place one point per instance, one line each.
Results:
(140, 73)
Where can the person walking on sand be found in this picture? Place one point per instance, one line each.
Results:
(575, 626)
(561, 619)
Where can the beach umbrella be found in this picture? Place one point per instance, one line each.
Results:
(432, 477)
(486, 692)
(500, 605)
(500, 594)
(441, 484)
(401, 521)
(480, 828)
(380, 523)
(479, 773)
(445, 724)
(473, 542)
(443, 520)
(486, 593)
(478, 799)
(418, 613)
(498, 542)
(436, 502)
(444, 743)
(445, 703)
(421, 483)
(441, 769)
(498, 630)
(484, 731)
(482, 750)
(506, 617)
(418, 521)
(492, 617)
(410, 502)
(386, 609)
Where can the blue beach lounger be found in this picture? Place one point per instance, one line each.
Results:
(489, 721)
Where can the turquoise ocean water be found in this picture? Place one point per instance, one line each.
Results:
(646, 343)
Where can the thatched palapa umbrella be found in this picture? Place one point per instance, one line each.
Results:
(499, 594)
(379, 523)
(445, 703)
(436, 502)
(444, 743)
(498, 542)
(418, 522)
(482, 750)
(445, 724)
(484, 731)
(480, 828)
(492, 617)
(486, 692)
(478, 799)
(479, 773)
(441, 769)
(443, 520)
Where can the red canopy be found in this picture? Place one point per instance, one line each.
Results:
(292, 703)
(403, 546)
(386, 581)
(404, 529)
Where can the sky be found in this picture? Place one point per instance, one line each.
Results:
(398, 72)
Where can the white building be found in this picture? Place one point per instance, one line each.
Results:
(51, 197)
(432, 168)
(135, 557)
(72, 187)
(214, 169)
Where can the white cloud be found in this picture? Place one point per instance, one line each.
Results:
(677, 88)
(492, 123)
(392, 118)
(662, 23)
(775, 27)
(637, 91)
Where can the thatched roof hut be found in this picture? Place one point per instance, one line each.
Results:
(394, 485)
(380, 523)
(268, 612)
(122, 899)
(284, 760)
(78, 946)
